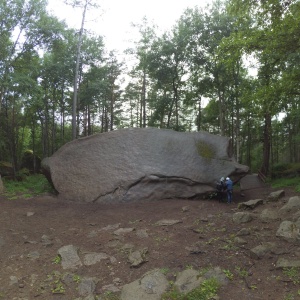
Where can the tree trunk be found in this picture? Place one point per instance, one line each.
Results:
(199, 115)
(74, 108)
(267, 144)
(143, 105)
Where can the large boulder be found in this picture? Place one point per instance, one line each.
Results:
(141, 164)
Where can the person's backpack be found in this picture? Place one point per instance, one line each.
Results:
(219, 186)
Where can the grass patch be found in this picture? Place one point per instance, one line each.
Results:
(207, 290)
(287, 182)
(30, 186)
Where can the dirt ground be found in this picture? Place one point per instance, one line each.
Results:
(32, 231)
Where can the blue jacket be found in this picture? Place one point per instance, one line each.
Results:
(229, 185)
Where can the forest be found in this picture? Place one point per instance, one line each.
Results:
(231, 68)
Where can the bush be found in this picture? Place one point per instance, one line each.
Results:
(286, 170)
(30, 186)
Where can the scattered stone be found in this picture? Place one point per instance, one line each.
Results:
(112, 259)
(127, 247)
(142, 233)
(292, 205)
(166, 222)
(240, 241)
(242, 217)
(288, 231)
(204, 220)
(92, 234)
(69, 257)
(261, 250)
(13, 280)
(188, 280)
(117, 281)
(269, 215)
(136, 258)
(185, 209)
(110, 288)
(150, 287)
(33, 255)
(218, 274)
(251, 204)
(194, 249)
(275, 196)
(86, 286)
(68, 278)
(93, 258)
(113, 244)
(243, 232)
(111, 227)
(122, 231)
(46, 241)
(285, 263)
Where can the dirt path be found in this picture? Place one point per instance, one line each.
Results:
(32, 231)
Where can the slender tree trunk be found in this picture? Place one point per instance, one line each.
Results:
(74, 108)
(175, 89)
(267, 144)
(199, 115)
(144, 100)
(112, 105)
(33, 146)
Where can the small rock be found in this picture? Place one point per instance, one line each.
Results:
(142, 233)
(243, 232)
(251, 204)
(275, 196)
(185, 209)
(33, 255)
(13, 280)
(188, 280)
(86, 286)
(285, 263)
(122, 231)
(242, 217)
(137, 258)
(166, 222)
(93, 258)
(69, 257)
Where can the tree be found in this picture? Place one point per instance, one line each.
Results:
(271, 39)
(26, 30)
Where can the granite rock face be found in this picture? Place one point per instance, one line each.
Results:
(141, 164)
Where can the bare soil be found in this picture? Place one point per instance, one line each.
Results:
(204, 238)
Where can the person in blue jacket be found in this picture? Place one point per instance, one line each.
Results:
(229, 189)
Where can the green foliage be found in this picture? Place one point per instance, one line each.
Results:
(30, 186)
(109, 296)
(287, 182)
(164, 271)
(57, 259)
(293, 274)
(76, 278)
(286, 170)
(206, 150)
(242, 272)
(228, 274)
(56, 284)
(206, 291)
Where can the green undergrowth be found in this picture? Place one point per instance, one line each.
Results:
(30, 186)
(206, 291)
(287, 182)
